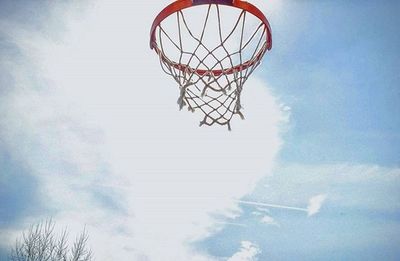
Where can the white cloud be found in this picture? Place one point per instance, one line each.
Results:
(268, 220)
(263, 209)
(247, 252)
(315, 204)
(108, 120)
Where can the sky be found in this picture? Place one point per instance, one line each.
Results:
(91, 136)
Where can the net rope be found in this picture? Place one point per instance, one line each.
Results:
(212, 87)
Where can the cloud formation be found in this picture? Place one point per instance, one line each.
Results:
(111, 150)
(315, 204)
(248, 252)
(268, 220)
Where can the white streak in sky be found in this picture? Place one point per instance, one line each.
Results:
(253, 203)
(314, 205)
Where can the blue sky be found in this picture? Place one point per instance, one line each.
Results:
(343, 84)
(333, 68)
(340, 78)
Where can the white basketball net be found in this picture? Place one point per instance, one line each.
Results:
(193, 67)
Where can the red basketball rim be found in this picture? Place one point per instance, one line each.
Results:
(183, 4)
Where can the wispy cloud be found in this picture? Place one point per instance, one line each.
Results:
(261, 209)
(231, 224)
(268, 220)
(248, 252)
(315, 204)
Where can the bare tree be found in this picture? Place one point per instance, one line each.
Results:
(41, 244)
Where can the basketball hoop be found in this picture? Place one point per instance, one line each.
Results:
(211, 67)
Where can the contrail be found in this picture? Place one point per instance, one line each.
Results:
(252, 203)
